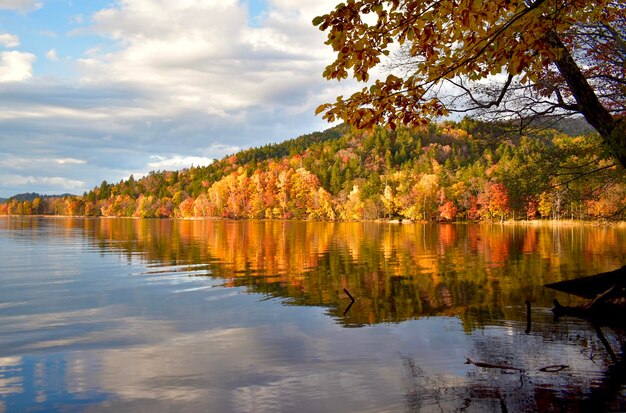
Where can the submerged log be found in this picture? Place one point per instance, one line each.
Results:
(492, 366)
(554, 368)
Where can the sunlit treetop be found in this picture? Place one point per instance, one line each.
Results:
(501, 58)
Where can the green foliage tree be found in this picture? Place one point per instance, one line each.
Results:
(104, 191)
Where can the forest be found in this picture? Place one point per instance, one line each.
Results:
(447, 171)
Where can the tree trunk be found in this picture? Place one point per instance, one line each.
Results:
(612, 130)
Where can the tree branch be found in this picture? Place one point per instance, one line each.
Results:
(590, 106)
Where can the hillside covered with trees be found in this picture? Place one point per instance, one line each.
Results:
(450, 171)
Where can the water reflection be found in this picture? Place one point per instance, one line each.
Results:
(167, 315)
(481, 273)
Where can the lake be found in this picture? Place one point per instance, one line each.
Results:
(247, 316)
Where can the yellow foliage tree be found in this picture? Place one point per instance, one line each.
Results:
(353, 207)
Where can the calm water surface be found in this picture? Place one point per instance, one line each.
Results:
(186, 316)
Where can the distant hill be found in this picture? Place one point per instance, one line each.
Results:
(30, 196)
(467, 170)
(572, 126)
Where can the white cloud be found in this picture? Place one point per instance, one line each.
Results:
(20, 5)
(15, 162)
(59, 181)
(217, 149)
(166, 78)
(9, 40)
(177, 162)
(52, 55)
(204, 55)
(68, 161)
(16, 66)
(48, 33)
(50, 181)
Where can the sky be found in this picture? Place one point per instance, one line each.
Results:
(102, 89)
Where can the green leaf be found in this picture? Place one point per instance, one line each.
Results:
(318, 20)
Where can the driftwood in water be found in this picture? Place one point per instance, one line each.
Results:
(603, 313)
(352, 300)
(607, 292)
(594, 285)
(554, 368)
(548, 369)
(492, 366)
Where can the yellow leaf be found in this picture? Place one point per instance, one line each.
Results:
(320, 109)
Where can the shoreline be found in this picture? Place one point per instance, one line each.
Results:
(534, 222)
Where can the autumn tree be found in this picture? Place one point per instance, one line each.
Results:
(164, 208)
(202, 206)
(523, 57)
(496, 201)
(423, 192)
(352, 208)
(448, 211)
(389, 201)
(27, 208)
(256, 207)
(608, 203)
(321, 205)
(91, 209)
(75, 206)
(545, 204)
(37, 206)
(186, 208)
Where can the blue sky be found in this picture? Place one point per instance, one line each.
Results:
(98, 90)
(42, 26)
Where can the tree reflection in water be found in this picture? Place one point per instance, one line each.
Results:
(479, 274)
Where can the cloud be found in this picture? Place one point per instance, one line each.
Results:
(15, 162)
(207, 57)
(9, 40)
(52, 55)
(48, 33)
(49, 181)
(20, 5)
(166, 78)
(70, 161)
(177, 162)
(77, 19)
(16, 66)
